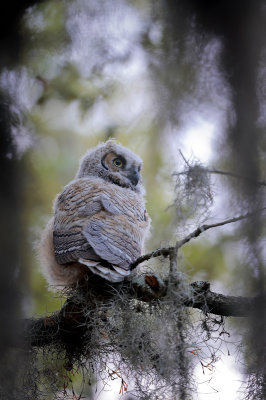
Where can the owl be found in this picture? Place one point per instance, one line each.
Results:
(100, 222)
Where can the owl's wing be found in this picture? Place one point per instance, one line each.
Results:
(78, 201)
(114, 239)
(70, 245)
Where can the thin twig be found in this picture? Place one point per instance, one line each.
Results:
(182, 155)
(173, 258)
(226, 173)
(235, 175)
(166, 251)
(204, 228)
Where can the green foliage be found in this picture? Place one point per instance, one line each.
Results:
(205, 261)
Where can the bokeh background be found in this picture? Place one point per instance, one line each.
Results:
(181, 84)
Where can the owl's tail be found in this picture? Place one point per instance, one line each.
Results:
(111, 272)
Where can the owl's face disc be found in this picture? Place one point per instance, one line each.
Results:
(113, 163)
(117, 163)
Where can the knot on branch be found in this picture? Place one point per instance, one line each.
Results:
(200, 286)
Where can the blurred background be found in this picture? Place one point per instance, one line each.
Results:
(182, 84)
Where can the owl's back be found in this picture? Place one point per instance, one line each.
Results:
(96, 220)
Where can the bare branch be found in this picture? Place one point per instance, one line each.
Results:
(184, 158)
(204, 228)
(225, 173)
(235, 175)
(166, 251)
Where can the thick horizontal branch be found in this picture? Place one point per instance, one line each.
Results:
(219, 304)
(66, 326)
(200, 297)
(69, 325)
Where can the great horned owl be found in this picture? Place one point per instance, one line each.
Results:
(100, 222)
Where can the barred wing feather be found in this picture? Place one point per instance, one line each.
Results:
(113, 239)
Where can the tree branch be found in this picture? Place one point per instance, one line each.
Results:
(200, 297)
(219, 172)
(166, 251)
(69, 325)
(235, 175)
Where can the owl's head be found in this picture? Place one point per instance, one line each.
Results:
(114, 163)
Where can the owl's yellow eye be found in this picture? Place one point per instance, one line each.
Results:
(118, 162)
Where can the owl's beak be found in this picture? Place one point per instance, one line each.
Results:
(133, 176)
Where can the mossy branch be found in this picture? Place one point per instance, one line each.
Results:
(68, 325)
